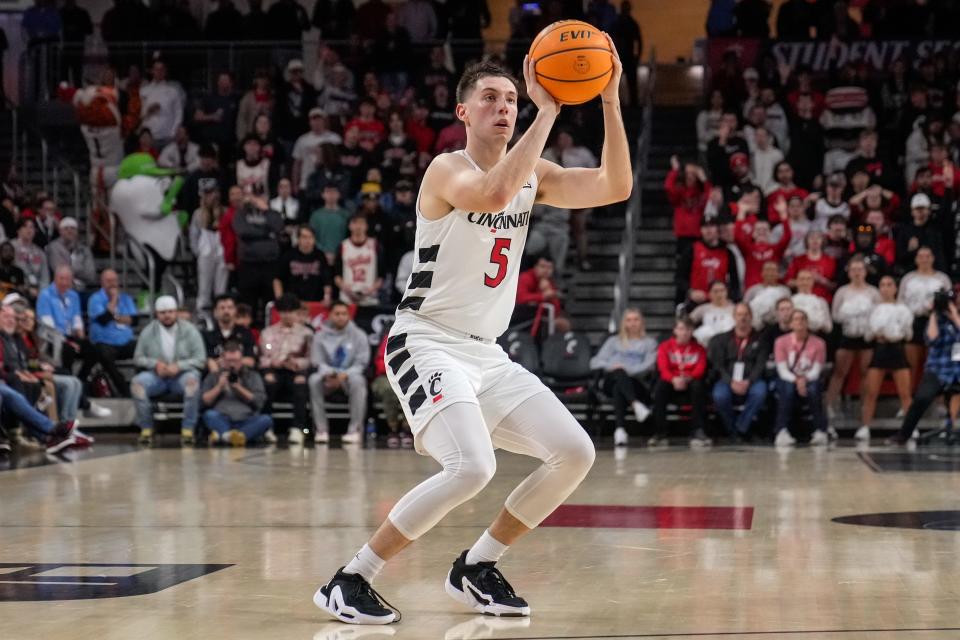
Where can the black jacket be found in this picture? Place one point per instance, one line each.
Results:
(258, 234)
(722, 354)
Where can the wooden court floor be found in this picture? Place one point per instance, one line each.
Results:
(726, 543)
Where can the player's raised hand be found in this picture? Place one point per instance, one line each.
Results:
(535, 91)
(612, 91)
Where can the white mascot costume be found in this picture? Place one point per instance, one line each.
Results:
(143, 198)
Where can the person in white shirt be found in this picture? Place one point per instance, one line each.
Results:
(212, 273)
(288, 207)
(817, 309)
(713, 317)
(764, 159)
(708, 122)
(916, 291)
(830, 203)
(890, 326)
(182, 153)
(162, 105)
(852, 304)
(306, 150)
(566, 153)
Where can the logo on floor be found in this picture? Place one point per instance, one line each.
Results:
(34, 582)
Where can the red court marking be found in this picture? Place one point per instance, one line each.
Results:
(600, 516)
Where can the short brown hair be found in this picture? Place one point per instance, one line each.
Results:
(473, 74)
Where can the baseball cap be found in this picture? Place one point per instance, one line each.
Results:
(403, 185)
(13, 298)
(920, 200)
(68, 222)
(166, 303)
(317, 112)
(370, 188)
(295, 65)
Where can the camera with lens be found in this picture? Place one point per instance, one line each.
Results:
(942, 299)
(233, 378)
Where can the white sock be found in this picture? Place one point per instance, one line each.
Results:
(366, 563)
(486, 549)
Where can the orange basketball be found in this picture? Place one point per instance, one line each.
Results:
(572, 61)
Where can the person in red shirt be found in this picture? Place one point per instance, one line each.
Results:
(419, 130)
(786, 189)
(687, 193)
(822, 266)
(536, 286)
(945, 175)
(757, 248)
(885, 246)
(682, 368)
(372, 131)
(228, 237)
(875, 197)
(706, 261)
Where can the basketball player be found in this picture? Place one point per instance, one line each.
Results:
(461, 394)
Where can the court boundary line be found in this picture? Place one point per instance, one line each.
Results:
(731, 633)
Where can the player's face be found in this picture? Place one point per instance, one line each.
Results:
(490, 110)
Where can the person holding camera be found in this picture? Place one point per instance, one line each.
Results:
(941, 373)
(235, 395)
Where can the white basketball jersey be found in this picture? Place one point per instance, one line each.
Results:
(467, 263)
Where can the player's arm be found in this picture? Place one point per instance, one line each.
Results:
(612, 181)
(451, 183)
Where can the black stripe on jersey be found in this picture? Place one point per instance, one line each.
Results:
(417, 399)
(398, 341)
(408, 379)
(429, 254)
(411, 302)
(421, 280)
(398, 361)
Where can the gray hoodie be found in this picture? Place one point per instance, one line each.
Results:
(345, 350)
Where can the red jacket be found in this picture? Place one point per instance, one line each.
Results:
(885, 247)
(824, 266)
(708, 264)
(681, 360)
(379, 365)
(688, 204)
(756, 253)
(228, 237)
(528, 290)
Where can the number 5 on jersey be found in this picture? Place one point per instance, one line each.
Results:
(498, 257)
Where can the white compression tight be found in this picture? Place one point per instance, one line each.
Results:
(458, 439)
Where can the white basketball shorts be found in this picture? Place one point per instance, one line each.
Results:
(430, 366)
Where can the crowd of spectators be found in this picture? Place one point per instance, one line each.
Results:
(832, 194)
(299, 193)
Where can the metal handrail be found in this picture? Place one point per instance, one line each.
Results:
(147, 277)
(633, 215)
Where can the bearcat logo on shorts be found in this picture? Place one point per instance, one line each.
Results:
(435, 387)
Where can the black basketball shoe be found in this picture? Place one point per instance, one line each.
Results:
(483, 588)
(350, 598)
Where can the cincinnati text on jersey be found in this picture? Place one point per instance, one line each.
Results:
(500, 220)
